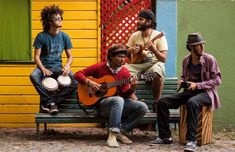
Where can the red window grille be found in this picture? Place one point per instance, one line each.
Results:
(119, 21)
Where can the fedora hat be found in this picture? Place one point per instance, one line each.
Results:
(194, 39)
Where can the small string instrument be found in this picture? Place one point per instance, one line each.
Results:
(142, 54)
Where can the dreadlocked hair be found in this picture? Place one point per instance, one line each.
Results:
(47, 13)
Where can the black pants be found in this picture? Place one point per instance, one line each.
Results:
(193, 100)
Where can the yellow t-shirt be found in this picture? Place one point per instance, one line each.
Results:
(137, 39)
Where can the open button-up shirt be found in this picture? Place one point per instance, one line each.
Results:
(210, 76)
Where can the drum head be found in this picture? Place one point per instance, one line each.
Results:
(50, 84)
(64, 80)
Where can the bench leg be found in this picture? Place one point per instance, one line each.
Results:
(45, 128)
(37, 132)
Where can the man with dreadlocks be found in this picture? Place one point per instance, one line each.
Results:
(49, 45)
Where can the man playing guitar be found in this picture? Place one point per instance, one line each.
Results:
(122, 109)
(148, 51)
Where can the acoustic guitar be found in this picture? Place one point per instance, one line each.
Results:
(142, 53)
(89, 97)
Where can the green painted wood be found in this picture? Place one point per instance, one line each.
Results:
(202, 16)
(15, 30)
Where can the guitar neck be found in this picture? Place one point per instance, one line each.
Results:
(121, 82)
(157, 37)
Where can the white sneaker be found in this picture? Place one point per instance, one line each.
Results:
(161, 141)
(190, 146)
(112, 140)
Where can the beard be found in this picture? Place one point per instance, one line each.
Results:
(198, 53)
(141, 27)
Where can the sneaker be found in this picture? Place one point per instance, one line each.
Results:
(124, 139)
(54, 109)
(112, 140)
(162, 141)
(45, 109)
(190, 146)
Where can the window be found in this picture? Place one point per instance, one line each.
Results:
(15, 29)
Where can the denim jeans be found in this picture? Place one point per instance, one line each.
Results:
(47, 97)
(123, 113)
(193, 100)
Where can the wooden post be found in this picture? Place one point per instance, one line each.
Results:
(204, 130)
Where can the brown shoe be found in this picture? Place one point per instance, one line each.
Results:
(112, 140)
(124, 139)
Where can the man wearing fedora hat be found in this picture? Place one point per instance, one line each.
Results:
(122, 109)
(154, 51)
(200, 78)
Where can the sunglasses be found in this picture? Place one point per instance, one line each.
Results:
(57, 18)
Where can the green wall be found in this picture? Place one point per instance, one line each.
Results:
(215, 20)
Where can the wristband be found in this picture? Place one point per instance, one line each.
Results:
(88, 82)
(68, 66)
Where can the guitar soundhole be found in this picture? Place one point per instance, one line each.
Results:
(103, 90)
(100, 93)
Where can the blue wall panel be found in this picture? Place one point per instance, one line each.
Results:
(166, 21)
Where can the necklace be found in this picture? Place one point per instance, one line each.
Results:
(148, 39)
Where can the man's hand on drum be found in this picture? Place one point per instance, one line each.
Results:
(46, 72)
(66, 70)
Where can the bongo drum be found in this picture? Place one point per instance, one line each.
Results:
(50, 84)
(64, 81)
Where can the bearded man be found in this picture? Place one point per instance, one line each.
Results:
(148, 51)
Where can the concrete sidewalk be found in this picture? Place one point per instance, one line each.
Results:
(94, 140)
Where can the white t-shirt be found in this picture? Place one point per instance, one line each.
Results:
(137, 39)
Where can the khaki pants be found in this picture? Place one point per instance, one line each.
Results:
(147, 67)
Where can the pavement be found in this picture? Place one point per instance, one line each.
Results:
(94, 140)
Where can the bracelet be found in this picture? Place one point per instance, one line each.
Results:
(155, 51)
(88, 82)
(68, 66)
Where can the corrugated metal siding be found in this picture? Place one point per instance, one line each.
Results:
(18, 98)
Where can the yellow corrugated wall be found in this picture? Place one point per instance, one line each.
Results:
(18, 98)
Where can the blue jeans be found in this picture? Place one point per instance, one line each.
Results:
(46, 97)
(123, 113)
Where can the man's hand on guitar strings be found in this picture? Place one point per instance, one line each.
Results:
(134, 49)
(95, 86)
(134, 82)
(151, 47)
(137, 48)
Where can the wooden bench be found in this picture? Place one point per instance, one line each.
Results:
(71, 112)
(204, 130)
